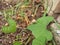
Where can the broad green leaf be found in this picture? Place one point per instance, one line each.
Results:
(11, 28)
(45, 20)
(16, 43)
(40, 26)
(38, 41)
(40, 29)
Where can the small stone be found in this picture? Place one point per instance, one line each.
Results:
(9, 41)
(58, 31)
(33, 21)
(6, 24)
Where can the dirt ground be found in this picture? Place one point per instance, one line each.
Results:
(33, 11)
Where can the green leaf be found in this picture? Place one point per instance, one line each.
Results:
(45, 20)
(39, 41)
(40, 29)
(11, 28)
(40, 26)
(16, 43)
(36, 42)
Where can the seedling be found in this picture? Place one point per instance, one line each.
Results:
(11, 28)
(39, 30)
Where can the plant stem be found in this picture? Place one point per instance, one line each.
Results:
(46, 9)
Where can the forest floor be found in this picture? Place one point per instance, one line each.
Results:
(24, 14)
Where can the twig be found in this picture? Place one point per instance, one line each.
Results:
(50, 7)
(36, 9)
(46, 9)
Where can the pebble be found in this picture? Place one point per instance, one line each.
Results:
(33, 21)
(58, 32)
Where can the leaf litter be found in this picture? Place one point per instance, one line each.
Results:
(22, 14)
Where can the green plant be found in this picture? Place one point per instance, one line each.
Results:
(17, 43)
(11, 28)
(40, 31)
